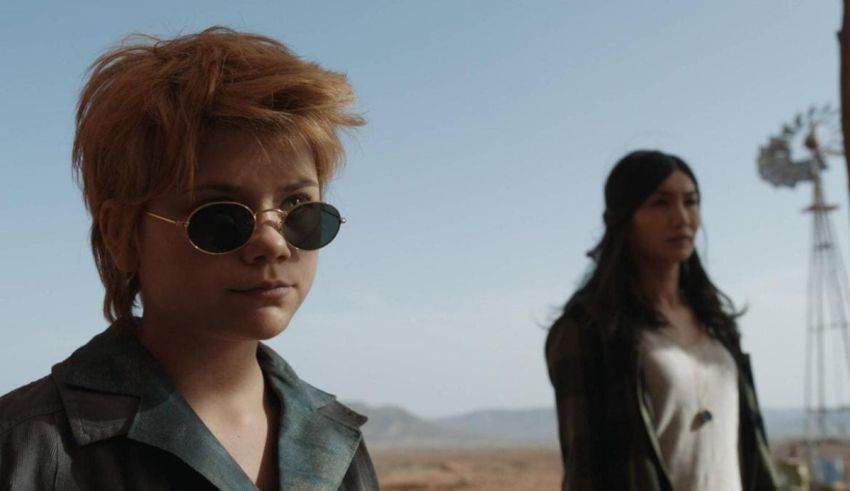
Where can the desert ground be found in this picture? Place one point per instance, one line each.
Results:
(490, 469)
(497, 469)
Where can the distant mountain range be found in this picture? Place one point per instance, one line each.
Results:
(393, 426)
(784, 424)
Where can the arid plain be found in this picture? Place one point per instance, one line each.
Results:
(506, 449)
(475, 469)
(502, 469)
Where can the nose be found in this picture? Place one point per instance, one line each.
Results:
(267, 244)
(681, 214)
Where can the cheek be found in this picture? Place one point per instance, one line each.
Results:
(637, 241)
(644, 241)
(310, 261)
(643, 230)
(168, 264)
(696, 219)
(648, 234)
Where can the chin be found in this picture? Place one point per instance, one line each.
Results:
(268, 328)
(681, 259)
(681, 255)
(262, 325)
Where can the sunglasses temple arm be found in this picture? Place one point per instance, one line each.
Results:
(173, 222)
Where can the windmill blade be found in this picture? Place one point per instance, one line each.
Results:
(776, 167)
(819, 127)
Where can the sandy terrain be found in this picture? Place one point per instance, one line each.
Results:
(494, 469)
(790, 455)
(468, 469)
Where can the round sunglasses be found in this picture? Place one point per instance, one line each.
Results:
(225, 226)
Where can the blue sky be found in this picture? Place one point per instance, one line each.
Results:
(476, 186)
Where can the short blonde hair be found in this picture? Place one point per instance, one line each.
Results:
(148, 103)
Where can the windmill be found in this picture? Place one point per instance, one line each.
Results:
(827, 369)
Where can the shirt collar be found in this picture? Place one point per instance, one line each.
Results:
(112, 386)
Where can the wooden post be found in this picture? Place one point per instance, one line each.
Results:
(844, 83)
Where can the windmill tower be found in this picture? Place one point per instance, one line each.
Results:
(827, 345)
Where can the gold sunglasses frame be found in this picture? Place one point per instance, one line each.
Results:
(184, 224)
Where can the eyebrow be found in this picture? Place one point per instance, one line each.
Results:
(225, 188)
(668, 193)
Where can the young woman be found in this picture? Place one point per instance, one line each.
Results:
(203, 160)
(652, 389)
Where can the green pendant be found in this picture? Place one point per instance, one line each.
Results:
(706, 415)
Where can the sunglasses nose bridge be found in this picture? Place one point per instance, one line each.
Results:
(276, 222)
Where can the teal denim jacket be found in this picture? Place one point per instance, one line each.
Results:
(109, 418)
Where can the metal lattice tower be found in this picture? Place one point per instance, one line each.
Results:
(827, 376)
(827, 335)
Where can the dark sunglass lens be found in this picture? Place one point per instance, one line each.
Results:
(312, 225)
(221, 227)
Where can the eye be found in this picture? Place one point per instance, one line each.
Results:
(194, 205)
(295, 200)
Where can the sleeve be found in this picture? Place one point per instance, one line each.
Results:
(574, 361)
(30, 437)
(29, 456)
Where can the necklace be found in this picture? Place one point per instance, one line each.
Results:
(694, 350)
(703, 415)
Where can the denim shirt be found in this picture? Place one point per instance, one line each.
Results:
(109, 418)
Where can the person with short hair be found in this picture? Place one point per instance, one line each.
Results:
(203, 161)
(652, 389)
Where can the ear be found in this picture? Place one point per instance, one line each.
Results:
(120, 241)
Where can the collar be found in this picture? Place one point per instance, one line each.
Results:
(113, 387)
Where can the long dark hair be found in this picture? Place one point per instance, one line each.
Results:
(612, 296)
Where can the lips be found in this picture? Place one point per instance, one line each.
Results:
(267, 292)
(263, 286)
(681, 239)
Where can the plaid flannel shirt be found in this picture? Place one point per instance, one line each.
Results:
(605, 417)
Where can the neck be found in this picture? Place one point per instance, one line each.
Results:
(661, 283)
(206, 370)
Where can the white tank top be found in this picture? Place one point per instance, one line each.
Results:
(694, 394)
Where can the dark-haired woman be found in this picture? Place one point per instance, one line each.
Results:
(652, 389)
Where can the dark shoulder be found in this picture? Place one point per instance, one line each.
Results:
(35, 401)
(568, 334)
(32, 425)
(576, 314)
